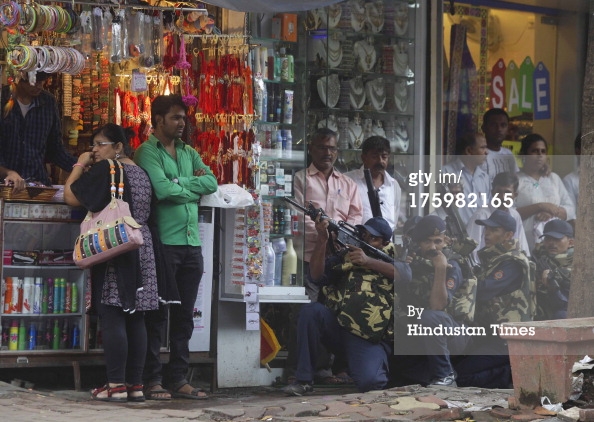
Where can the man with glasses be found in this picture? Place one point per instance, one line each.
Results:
(328, 189)
(355, 319)
(338, 196)
(30, 133)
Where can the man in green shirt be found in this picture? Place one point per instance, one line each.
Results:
(179, 178)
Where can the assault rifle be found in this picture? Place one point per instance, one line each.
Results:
(556, 279)
(346, 234)
(463, 245)
(373, 194)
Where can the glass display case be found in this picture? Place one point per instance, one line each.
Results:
(43, 291)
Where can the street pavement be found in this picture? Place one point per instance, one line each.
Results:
(326, 404)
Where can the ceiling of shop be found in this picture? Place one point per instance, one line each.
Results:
(271, 5)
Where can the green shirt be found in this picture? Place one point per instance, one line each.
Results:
(176, 188)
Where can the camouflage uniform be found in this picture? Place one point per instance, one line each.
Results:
(552, 299)
(429, 355)
(506, 289)
(362, 300)
(355, 320)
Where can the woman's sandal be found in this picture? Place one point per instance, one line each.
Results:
(157, 392)
(118, 393)
(133, 391)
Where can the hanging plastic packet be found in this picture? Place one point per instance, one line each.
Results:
(146, 32)
(97, 29)
(136, 43)
(124, 17)
(85, 30)
(546, 403)
(116, 54)
(158, 38)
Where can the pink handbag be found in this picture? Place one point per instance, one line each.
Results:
(110, 232)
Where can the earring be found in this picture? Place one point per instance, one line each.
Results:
(117, 156)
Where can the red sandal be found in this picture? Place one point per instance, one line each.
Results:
(135, 389)
(118, 389)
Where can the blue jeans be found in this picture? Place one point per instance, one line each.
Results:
(187, 265)
(367, 362)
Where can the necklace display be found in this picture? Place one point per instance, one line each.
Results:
(355, 132)
(357, 94)
(376, 93)
(401, 19)
(375, 15)
(367, 128)
(400, 60)
(334, 14)
(329, 90)
(401, 96)
(357, 8)
(334, 53)
(329, 123)
(312, 21)
(378, 129)
(366, 54)
(401, 139)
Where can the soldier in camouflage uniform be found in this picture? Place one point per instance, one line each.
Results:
(554, 258)
(435, 281)
(356, 316)
(505, 293)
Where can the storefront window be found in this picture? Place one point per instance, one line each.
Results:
(500, 58)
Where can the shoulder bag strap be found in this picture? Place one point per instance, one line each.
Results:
(112, 172)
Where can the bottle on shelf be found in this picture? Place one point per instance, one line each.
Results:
(37, 295)
(17, 295)
(64, 337)
(56, 335)
(294, 223)
(270, 64)
(74, 306)
(28, 286)
(13, 341)
(5, 335)
(287, 217)
(270, 104)
(270, 264)
(290, 67)
(288, 143)
(22, 339)
(284, 65)
(289, 272)
(44, 298)
(278, 104)
(68, 303)
(279, 246)
(32, 340)
(288, 106)
(75, 336)
(8, 295)
(50, 295)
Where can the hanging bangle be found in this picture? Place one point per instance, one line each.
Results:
(78, 165)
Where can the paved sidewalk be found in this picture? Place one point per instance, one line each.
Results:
(269, 404)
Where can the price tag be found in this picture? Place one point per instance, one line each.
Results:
(138, 83)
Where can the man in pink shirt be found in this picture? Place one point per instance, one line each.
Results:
(328, 189)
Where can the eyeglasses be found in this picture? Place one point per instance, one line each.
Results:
(101, 144)
(326, 148)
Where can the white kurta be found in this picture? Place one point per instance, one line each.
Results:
(547, 189)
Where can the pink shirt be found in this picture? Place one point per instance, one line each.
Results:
(338, 197)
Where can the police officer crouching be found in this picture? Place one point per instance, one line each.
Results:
(426, 333)
(505, 293)
(356, 318)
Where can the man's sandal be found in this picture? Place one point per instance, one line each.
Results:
(194, 394)
(118, 393)
(157, 392)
